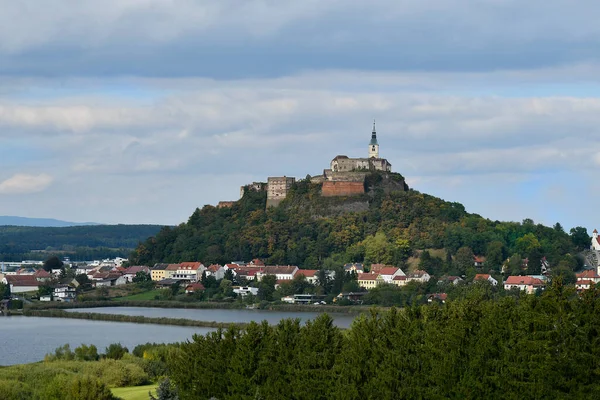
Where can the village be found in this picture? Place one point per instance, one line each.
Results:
(30, 277)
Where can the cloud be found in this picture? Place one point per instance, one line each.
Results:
(25, 183)
(237, 39)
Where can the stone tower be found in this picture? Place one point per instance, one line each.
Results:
(373, 145)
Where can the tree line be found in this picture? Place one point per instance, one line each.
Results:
(310, 231)
(520, 347)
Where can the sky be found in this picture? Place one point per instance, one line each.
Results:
(139, 111)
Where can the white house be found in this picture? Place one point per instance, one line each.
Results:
(64, 293)
(525, 283)
(310, 275)
(21, 283)
(245, 290)
(282, 273)
(419, 276)
(216, 270)
(131, 272)
(189, 271)
(389, 273)
(485, 277)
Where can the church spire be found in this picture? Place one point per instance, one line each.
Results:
(373, 145)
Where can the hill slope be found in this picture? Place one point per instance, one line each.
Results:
(78, 242)
(381, 226)
(39, 222)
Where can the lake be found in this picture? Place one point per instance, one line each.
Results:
(29, 339)
(218, 315)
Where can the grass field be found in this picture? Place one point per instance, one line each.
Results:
(149, 295)
(134, 392)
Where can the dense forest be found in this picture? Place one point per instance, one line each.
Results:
(524, 347)
(78, 242)
(381, 226)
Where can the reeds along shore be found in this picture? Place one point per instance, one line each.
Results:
(199, 305)
(130, 318)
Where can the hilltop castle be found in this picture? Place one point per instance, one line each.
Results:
(345, 176)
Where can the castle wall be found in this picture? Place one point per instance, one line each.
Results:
(277, 189)
(333, 188)
(225, 204)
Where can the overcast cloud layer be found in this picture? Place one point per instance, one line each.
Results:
(138, 111)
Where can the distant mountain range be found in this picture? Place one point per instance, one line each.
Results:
(40, 222)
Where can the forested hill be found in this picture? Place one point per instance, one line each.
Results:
(381, 226)
(78, 242)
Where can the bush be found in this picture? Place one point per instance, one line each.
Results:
(77, 387)
(115, 351)
(86, 353)
(14, 390)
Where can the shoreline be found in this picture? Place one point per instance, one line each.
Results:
(138, 319)
(202, 305)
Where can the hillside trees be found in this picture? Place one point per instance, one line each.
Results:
(313, 232)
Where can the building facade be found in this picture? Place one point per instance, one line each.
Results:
(277, 189)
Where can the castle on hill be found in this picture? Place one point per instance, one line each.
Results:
(344, 177)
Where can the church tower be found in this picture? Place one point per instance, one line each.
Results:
(373, 145)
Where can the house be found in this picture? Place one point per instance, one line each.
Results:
(21, 283)
(282, 273)
(441, 297)
(245, 290)
(42, 275)
(288, 299)
(247, 273)
(131, 272)
(257, 262)
(193, 288)
(351, 296)
(419, 276)
(356, 267)
(584, 284)
(159, 271)
(478, 261)
(400, 280)
(189, 271)
(455, 280)
(376, 268)
(167, 283)
(485, 277)
(171, 270)
(84, 269)
(216, 270)
(588, 275)
(526, 283)
(311, 275)
(389, 273)
(64, 293)
(367, 280)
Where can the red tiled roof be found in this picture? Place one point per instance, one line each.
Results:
(22, 280)
(194, 287)
(42, 273)
(399, 278)
(309, 273)
(582, 283)
(481, 277)
(478, 259)
(258, 261)
(214, 268)
(173, 267)
(190, 265)
(367, 277)
(377, 267)
(388, 270)
(524, 280)
(418, 273)
(588, 273)
(135, 269)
